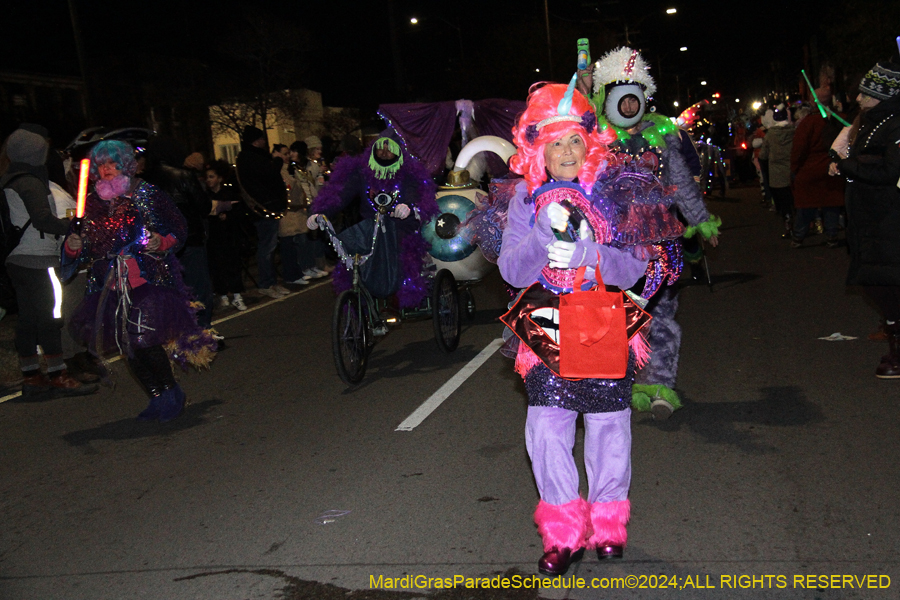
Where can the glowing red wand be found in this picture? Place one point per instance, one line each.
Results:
(83, 174)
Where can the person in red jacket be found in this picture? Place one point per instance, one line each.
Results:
(813, 189)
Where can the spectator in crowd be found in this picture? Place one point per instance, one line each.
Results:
(259, 175)
(813, 190)
(79, 363)
(292, 229)
(33, 266)
(225, 236)
(161, 170)
(316, 168)
(776, 153)
(871, 166)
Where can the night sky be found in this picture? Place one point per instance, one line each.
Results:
(461, 49)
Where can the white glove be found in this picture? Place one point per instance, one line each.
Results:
(568, 255)
(556, 214)
(401, 211)
(311, 222)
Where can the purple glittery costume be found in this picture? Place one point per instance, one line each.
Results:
(553, 402)
(126, 310)
(353, 180)
(523, 256)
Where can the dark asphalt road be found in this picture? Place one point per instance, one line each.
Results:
(783, 462)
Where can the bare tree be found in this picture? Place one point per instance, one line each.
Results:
(267, 53)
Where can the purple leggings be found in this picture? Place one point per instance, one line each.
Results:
(550, 438)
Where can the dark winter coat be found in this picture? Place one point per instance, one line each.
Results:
(873, 199)
(813, 187)
(260, 176)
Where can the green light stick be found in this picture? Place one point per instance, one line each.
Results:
(822, 108)
(815, 97)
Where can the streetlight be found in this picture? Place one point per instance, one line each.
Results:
(703, 83)
(675, 104)
(462, 52)
(671, 11)
(683, 48)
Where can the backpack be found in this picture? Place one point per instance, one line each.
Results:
(10, 235)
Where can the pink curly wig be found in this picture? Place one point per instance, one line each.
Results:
(543, 99)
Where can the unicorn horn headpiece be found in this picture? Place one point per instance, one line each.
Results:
(564, 112)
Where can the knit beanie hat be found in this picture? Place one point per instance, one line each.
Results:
(27, 147)
(313, 142)
(882, 81)
(251, 134)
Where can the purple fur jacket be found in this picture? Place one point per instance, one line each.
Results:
(523, 252)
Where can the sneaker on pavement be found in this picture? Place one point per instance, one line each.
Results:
(319, 272)
(281, 289)
(238, 303)
(301, 281)
(223, 302)
(271, 292)
(312, 274)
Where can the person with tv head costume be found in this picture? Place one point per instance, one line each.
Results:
(620, 86)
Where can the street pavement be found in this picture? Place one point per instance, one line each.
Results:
(778, 479)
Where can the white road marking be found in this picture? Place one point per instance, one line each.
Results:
(216, 322)
(430, 405)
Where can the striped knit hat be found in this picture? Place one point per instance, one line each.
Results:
(882, 81)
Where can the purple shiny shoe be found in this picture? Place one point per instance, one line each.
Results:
(556, 561)
(172, 404)
(610, 551)
(151, 413)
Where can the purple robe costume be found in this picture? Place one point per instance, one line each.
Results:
(353, 180)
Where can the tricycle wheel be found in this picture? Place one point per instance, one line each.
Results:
(445, 311)
(349, 337)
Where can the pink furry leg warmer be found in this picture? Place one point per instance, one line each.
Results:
(608, 520)
(564, 525)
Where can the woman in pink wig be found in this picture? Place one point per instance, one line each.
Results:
(561, 154)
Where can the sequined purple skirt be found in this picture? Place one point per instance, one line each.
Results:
(157, 316)
(544, 388)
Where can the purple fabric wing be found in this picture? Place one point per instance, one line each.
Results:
(426, 129)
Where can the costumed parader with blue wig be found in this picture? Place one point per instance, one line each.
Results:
(135, 302)
(621, 84)
(388, 179)
(560, 153)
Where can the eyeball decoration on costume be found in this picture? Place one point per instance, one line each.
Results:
(443, 232)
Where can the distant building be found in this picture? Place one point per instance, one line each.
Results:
(55, 101)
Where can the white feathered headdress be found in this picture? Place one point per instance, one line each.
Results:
(623, 65)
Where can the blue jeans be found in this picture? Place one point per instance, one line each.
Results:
(296, 255)
(267, 240)
(830, 220)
